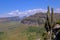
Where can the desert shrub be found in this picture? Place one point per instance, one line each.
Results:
(58, 22)
(33, 29)
(36, 29)
(1, 35)
(35, 32)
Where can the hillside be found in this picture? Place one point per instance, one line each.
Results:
(38, 18)
(14, 30)
(6, 19)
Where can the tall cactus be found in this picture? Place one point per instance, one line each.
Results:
(52, 23)
(52, 17)
(52, 14)
(49, 23)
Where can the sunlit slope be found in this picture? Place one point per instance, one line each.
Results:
(14, 30)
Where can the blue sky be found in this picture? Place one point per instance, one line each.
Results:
(22, 5)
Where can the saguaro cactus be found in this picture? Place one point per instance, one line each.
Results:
(49, 23)
(52, 23)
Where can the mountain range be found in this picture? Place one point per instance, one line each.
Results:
(30, 15)
(39, 18)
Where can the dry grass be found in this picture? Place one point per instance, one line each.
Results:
(17, 31)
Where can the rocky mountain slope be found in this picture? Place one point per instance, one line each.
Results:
(39, 18)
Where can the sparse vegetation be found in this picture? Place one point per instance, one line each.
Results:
(18, 31)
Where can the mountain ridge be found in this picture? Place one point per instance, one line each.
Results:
(39, 18)
(6, 19)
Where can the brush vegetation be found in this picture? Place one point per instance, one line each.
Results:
(14, 30)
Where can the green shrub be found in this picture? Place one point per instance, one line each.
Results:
(1, 33)
(58, 22)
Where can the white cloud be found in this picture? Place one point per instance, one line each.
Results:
(14, 13)
(26, 13)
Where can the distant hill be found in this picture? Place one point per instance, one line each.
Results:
(39, 18)
(6, 19)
